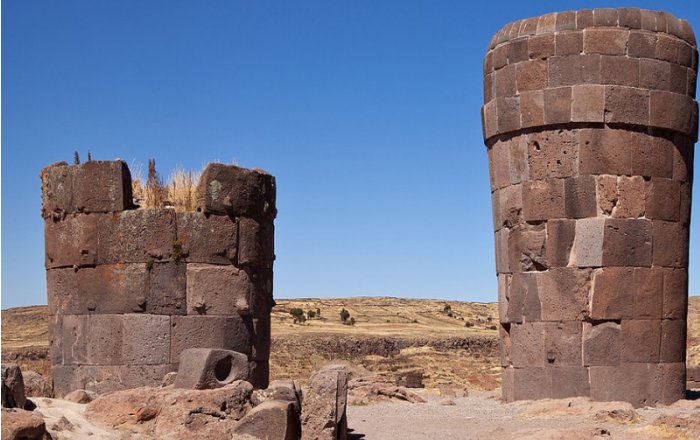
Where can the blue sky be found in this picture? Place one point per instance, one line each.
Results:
(367, 112)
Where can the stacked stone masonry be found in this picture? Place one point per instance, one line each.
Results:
(129, 288)
(590, 122)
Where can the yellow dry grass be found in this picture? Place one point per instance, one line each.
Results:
(178, 192)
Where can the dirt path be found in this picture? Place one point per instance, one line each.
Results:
(481, 416)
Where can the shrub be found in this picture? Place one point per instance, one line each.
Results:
(469, 324)
(298, 315)
(447, 310)
(311, 314)
(352, 321)
(318, 312)
(344, 315)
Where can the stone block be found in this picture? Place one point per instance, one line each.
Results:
(517, 49)
(13, 394)
(566, 21)
(105, 379)
(56, 190)
(588, 242)
(145, 339)
(167, 288)
(557, 105)
(545, 199)
(218, 290)
(560, 241)
(532, 108)
(667, 48)
(526, 248)
(225, 332)
(508, 203)
(626, 382)
(529, 27)
(641, 45)
(207, 368)
(670, 382)
(627, 242)
(563, 343)
(683, 156)
(508, 384)
(606, 194)
(138, 236)
(640, 340)
(568, 43)
(612, 293)
(673, 338)
(235, 191)
(500, 163)
(678, 82)
(602, 343)
(256, 243)
(74, 339)
(630, 197)
(273, 420)
(505, 81)
(571, 70)
(508, 114)
(553, 153)
(72, 241)
(652, 156)
(501, 245)
(630, 18)
(663, 199)
(588, 103)
(207, 239)
(605, 151)
(323, 413)
(671, 111)
(110, 288)
(529, 338)
(519, 167)
(104, 339)
(675, 293)
(647, 285)
(654, 74)
(569, 381)
(531, 75)
(489, 119)
(523, 298)
(532, 383)
(95, 186)
(580, 197)
(619, 70)
(605, 41)
(605, 17)
(488, 87)
(563, 293)
(686, 194)
(668, 255)
(55, 339)
(627, 105)
(541, 46)
(262, 335)
(547, 23)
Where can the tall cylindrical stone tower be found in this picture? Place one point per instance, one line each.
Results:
(590, 122)
(129, 289)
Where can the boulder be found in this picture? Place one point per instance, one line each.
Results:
(12, 387)
(323, 414)
(80, 396)
(18, 424)
(271, 420)
(169, 379)
(36, 385)
(209, 368)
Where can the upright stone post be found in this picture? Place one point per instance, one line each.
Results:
(590, 122)
(129, 289)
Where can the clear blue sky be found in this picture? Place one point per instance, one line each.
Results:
(366, 111)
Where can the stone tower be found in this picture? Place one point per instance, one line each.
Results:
(129, 289)
(590, 122)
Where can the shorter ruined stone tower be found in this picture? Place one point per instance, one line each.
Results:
(590, 122)
(130, 288)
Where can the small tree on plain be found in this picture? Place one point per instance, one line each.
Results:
(311, 314)
(298, 315)
(344, 315)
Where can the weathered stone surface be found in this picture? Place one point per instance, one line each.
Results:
(231, 190)
(167, 288)
(18, 424)
(207, 368)
(553, 154)
(145, 339)
(36, 385)
(673, 336)
(667, 235)
(80, 396)
(627, 242)
(562, 343)
(563, 293)
(560, 241)
(95, 186)
(207, 239)
(286, 390)
(13, 395)
(545, 199)
(663, 199)
(256, 243)
(529, 337)
(569, 381)
(218, 290)
(641, 340)
(272, 419)
(324, 407)
(526, 248)
(138, 236)
(588, 242)
(106, 378)
(196, 331)
(601, 343)
(71, 241)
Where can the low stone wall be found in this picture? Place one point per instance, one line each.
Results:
(129, 289)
